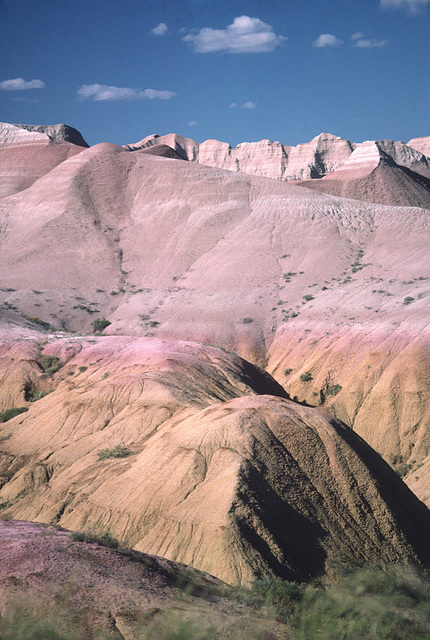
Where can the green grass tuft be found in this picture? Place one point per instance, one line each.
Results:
(11, 413)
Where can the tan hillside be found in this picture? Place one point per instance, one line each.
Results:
(215, 468)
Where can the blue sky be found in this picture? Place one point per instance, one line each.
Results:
(236, 71)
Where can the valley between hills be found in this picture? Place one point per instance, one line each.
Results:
(218, 356)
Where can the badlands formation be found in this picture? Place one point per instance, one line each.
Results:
(268, 338)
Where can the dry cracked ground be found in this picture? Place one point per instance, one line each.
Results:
(264, 364)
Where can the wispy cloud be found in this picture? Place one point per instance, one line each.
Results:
(154, 94)
(103, 93)
(19, 84)
(327, 40)
(364, 43)
(192, 123)
(244, 35)
(245, 105)
(412, 6)
(160, 30)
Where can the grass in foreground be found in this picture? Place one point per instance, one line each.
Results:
(367, 604)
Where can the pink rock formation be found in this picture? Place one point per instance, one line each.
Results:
(287, 276)
(371, 175)
(28, 154)
(421, 144)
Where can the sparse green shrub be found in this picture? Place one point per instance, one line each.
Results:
(294, 314)
(11, 413)
(38, 321)
(103, 538)
(82, 369)
(247, 320)
(408, 300)
(116, 452)
(288, 371)
(85, 308)
(403, 469)
(49, 364)
(333, 390)
(274, 597)
(100, 324)
(308, 297)
(306, 376)
(38, 395)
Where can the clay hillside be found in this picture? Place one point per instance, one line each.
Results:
(219, 355)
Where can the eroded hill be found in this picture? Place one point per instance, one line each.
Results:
(193, 454)
(301, 282)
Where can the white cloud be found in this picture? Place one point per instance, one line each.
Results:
(153, 94)
(413, 6)
(357, 35)
(192, 123)
(364, 43)
(244, 35)
(245, 105)
(327, 40)
(103, 92)
(160, 30)
(19, 84)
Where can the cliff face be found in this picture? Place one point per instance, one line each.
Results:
(264, 158)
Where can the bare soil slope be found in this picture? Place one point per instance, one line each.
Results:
(204, 461)
(300, 282)
(100, 592)
(28, 154)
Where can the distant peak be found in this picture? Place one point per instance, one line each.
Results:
(326, 136)
(57, 132)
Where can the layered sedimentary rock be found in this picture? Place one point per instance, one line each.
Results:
(57, 132)
(264, 158)
(214, 466)
(185, 147)
(315, 159)
(289, 277)
(28, 152)
(370, 174)
(421, 144)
